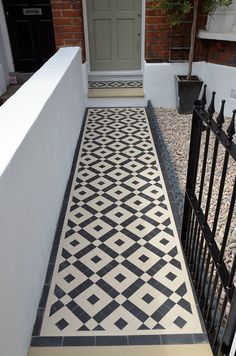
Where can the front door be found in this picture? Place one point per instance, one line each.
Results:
(114, 28)
(31, 32)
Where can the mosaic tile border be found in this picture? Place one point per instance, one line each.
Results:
(104, 340)
(115, 84)
(171, 339)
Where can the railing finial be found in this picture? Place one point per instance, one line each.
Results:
(211, 108)
(231, 128)
(220, 118)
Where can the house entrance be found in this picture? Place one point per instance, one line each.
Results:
(31, 32)
(114, 29)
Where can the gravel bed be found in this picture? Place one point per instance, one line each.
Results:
(176, 130)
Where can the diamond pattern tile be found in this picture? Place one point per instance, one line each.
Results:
(119, 268)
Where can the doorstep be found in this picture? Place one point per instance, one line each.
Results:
(115, 88)
(164, 350)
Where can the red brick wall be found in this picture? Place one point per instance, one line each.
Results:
(222, 52)
(68, 23)
(159, 37)
(163, 42)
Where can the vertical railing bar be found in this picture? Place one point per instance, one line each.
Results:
(212, 297)
(205, 275)
(188, 238)
(202, 266)
(194, 220)
(228, 223)
(204, 164)
(195, 141)
(193, 242)
(221, 190)
(208, 289)
(232, 274)
(220, 321)
(211, 179)
(229, 333)
(189, 228)
(196, 249)
(199, 257)
(215, 313)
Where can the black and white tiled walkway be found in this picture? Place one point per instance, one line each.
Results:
(119, 268)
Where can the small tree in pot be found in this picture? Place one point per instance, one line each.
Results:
(176, 11)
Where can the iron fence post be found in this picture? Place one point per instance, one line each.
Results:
(194, 150)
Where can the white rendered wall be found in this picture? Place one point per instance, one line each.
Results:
(221, 79)
(159, 81)
(159, 84)
(39, 128)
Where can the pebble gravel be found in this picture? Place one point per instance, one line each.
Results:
(176, 130)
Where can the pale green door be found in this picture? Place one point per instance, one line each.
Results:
(114, 28)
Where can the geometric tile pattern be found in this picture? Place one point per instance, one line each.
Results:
(115, 84)
(119, 268)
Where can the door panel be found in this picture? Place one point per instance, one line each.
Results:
(101, 5)
(125, 36)
(31, 32)
(125, 4)
(103, 43)
(114, 28)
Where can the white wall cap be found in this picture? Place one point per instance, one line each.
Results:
(19, 113)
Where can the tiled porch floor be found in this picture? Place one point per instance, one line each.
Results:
(119, 269)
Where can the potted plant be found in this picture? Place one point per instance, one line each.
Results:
(188, 86)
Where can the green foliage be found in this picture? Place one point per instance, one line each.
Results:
(177, 10)
(211, 5)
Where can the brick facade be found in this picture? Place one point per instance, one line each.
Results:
(162, 44)
(222, 52)
(68, 23)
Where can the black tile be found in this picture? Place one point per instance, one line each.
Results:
(107, 288)
(49, 273)
(180, 322)
(133, 268)
(120, 277)
(96, 259)
(47, 341)
(143, 258)
(44, 297)
(55, 307)
(176, 339)
(93, 299)
(148, 298)
(53, 255)
(185, 305)
(121, 323)
(182, 290)
(38, 322)
(62, 324)
(144, 340)
(69, 278)
(58, 292)
(79, 341)
(200, 338)
(171, 276)
(111, 340)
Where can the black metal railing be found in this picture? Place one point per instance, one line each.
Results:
(208, 236)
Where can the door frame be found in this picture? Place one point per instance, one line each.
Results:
(118, 72)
